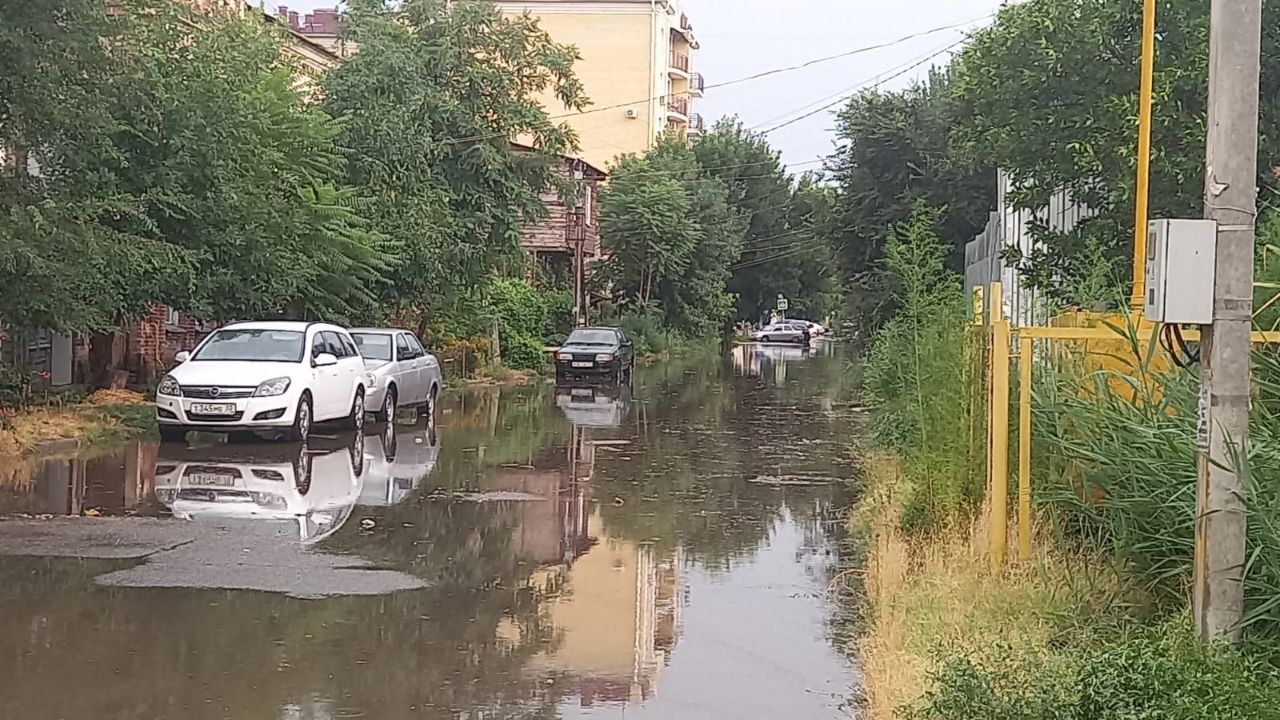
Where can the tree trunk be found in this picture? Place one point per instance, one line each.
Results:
(106, 353)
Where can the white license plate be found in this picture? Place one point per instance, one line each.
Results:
(213, 408)
(584, 364)
(213, 479)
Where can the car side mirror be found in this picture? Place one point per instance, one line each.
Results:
(182, 357)
(324, 360)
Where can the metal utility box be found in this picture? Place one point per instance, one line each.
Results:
(1180, 271)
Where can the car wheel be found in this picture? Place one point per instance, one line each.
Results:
(388, 412)
(302, 420)
(764, 338)
(173, 434)
(355, 421)
(428, 410)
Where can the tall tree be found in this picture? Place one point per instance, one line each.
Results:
(895, 150)
(780, 254)
(430, 105)
(1049, 93)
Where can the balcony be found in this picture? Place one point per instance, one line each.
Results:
(679, 64)
(678, 106)
(697, 85)
(696, 126)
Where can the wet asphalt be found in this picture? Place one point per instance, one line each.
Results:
(663, 550)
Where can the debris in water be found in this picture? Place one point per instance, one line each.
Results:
(618, 502)
(793, 480)
(606, 443)
(93, 512)
(368, 524)
(498, 496)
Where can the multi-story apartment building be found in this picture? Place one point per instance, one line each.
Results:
(637, 68)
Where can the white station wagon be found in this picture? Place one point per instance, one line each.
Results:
(264, 376)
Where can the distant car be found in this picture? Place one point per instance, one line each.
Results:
(781, 332)
(314, 487)
(256, 376)
(596, 351)
(403, 373)
(815, 329)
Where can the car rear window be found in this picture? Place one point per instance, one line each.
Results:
(375, 346)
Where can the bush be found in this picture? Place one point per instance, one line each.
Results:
(1153, 673)
(524, 353)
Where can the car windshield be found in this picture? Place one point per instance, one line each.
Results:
(375, 346)
(592, 337)
(253, 346)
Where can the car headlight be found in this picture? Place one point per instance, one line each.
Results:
(372, 379)
(272, 387)
(169, 386)
(564, 356)
(604, 357)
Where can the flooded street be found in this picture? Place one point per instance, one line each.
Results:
(661, 551)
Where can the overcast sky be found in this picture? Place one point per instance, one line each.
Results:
(744, 37)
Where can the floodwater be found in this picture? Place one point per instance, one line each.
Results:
(661, 551)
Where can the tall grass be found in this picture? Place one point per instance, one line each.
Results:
(918, 378)
(1116, 464)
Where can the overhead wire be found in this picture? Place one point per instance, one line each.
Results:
(736, 81)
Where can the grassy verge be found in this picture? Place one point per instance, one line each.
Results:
(103, 417)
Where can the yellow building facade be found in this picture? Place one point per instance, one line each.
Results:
(637, 68)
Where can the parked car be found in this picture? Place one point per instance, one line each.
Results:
(815, 329)
(260, 376)
(403, 373)
(596, 351)
(781, 332)
(313, 487)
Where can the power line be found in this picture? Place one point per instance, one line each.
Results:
(877, 84)
(850, 53)
(736, 81)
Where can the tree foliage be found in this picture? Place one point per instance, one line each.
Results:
(1049, 93)
(785, 249)
(672, 236)
(896, 150)
(429, 107)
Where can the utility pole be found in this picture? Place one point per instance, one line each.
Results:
(1231, 176)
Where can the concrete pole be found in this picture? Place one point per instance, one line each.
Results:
(1231, 173)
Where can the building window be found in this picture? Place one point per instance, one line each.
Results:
(170, 316)
(587, 203)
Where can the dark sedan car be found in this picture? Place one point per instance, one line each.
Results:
(596, 351)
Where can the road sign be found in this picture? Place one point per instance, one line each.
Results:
(782, 303)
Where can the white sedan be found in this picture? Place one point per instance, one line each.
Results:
(257, 376)
(782, 332)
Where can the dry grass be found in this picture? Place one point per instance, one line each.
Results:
(117, 397)
(25, 430)
(925, 594)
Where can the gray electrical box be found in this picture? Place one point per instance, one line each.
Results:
(1181, 256)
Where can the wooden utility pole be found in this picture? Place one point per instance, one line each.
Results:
(1231, 175)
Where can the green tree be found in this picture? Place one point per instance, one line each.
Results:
(672, 236)
(896, 150)
(1049, 93)
(430, 106)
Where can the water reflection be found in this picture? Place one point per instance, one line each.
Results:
(617, 553)
(396, 459)
(313, 486)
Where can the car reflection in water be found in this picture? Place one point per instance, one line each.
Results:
(315, 486)
(754, 360)
(396, 459)
(594, 405)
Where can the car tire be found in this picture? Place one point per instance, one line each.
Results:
(355, 421)
(387, 413)
(303, 419)
(428, 409)
(764, 338)
(173, 435)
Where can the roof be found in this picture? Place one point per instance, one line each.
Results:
(376, 330)
(296, 325)
(588, 167)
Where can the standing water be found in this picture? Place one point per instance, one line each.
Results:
(660, 551)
